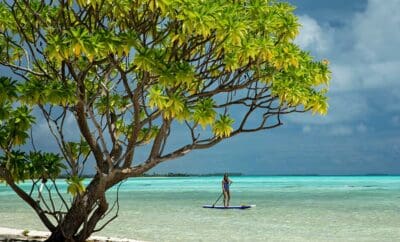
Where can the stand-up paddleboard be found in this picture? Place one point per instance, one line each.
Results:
(230, 207)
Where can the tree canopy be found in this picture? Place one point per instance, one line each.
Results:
(127, 70)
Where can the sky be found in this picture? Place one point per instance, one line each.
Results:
(360, 134)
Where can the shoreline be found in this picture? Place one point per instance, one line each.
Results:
(12, 234)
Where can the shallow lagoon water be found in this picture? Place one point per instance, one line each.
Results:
(289, 208)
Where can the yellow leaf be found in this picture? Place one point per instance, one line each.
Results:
(77, 49)
(294, 62)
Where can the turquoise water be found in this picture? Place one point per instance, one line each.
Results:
(288, 209)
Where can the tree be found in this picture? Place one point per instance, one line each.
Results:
(127, 71)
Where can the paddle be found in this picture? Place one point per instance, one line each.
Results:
(218, 199)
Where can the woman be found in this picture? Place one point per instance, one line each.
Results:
(226, 182)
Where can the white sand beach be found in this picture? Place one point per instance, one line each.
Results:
(34, 235)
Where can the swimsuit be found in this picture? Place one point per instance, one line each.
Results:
(226, 185)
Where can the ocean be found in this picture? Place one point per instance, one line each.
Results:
(288, 208)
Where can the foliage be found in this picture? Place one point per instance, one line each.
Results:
(15, 122)
(257, 36)
(75, 185)
(223, 126)
(35, 165)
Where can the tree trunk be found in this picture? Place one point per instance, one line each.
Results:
(86, 211)
(57, 235)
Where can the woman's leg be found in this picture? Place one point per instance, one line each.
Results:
(225, 198)
(228, 198)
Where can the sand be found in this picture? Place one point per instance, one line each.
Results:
(10, 234)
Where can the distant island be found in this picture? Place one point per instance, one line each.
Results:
(172, 174)
(169, 174)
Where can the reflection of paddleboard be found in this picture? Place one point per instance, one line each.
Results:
(230, 207)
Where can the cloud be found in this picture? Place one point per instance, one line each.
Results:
(364, 64)
(377, 31)
(362, 52)
(43, 137)
(371, 61)
(359, 76)
(335, 129)
(312, 37)
(341, 130)
(343, 108)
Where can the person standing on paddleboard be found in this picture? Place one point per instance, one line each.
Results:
(226, 182)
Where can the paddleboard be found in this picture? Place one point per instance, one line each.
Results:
(230, 207)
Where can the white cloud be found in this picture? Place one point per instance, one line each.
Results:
(340, 130)
(335, 129)
(343, 107)
(364, 52)
(364, 56)
(344, 77)
(377, 31)
(365, 76)
(383, 74)
(312, 37)
(373, 60)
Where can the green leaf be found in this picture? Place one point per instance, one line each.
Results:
(204, 113)
(75, 185)
(174, 106)
(157, 98)
(223, 126)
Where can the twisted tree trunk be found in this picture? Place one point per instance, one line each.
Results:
(86, 211)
